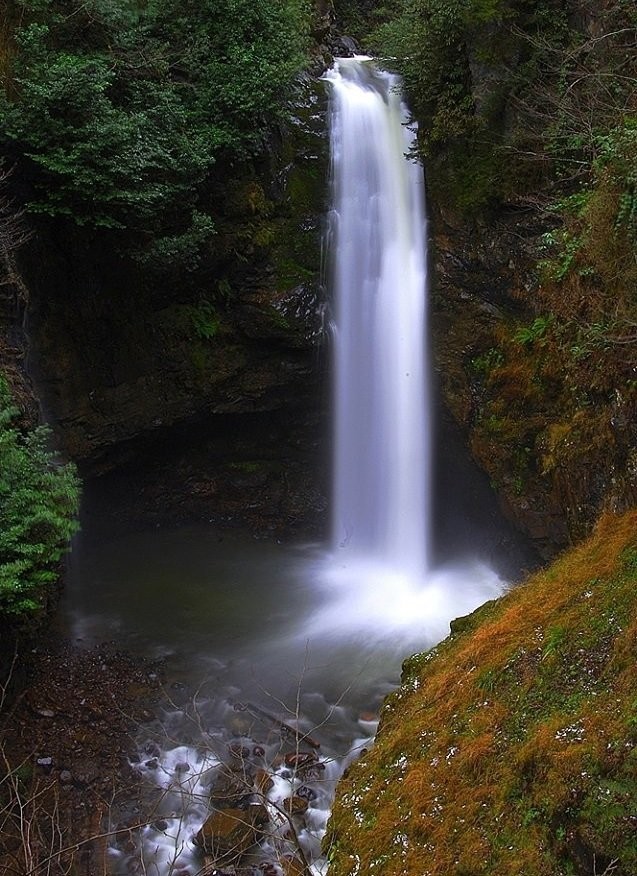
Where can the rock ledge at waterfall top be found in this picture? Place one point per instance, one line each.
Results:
(511, 747)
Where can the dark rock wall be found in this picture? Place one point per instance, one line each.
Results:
(557, 437)
(478, 272)
(225, 361)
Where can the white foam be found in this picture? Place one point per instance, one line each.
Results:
(372, 601)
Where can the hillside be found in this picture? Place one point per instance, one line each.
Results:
(511, 747)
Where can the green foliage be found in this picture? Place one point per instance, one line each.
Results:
(593, 338)
(617, 158)
(553, 642)
(598, 229)
(563, 247)
(484, 364)
(123, 108)
(361, 19)
(205, 320)
(427, 40)
(182, 251)
(462, 60)
(38, 504)
(530, 334)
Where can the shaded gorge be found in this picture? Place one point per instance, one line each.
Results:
(278, 655)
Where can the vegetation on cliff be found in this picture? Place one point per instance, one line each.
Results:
(168, 165)
(511, 747)
(117, 112)
(38, 504)
(528, 129)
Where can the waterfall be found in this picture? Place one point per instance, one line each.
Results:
(377, 236)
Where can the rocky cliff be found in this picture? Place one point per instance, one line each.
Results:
(528, 158)
(207, 382)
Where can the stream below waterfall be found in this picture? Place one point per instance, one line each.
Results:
(257, 642)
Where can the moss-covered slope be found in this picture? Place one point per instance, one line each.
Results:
(511, 748)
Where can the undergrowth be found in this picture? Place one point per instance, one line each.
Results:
(38, 504)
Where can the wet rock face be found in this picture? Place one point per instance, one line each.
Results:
(122, 356)
(478, 274)
(555, 462)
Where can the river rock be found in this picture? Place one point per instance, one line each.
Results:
(228, 833)
(46, 763)
(368, 717)
(45, 713)
(301, 759)
(295, 805)
(240, 725)
(232, 789)
(152, 749)
(238, 752)
(263, 781)
(311, 772)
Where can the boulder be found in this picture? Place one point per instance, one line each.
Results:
(295, 805)
(293, 867)
(263, 781)
(228, 833)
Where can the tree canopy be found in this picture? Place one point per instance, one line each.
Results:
(123, 107)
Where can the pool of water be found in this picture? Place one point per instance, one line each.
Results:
(260, 640)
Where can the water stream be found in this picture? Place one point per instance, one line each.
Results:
(278, 650)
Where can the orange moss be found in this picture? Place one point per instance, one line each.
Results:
(475, 773)
(514, 382)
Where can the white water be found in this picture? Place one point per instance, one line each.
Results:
(379, 581)
(377, 231)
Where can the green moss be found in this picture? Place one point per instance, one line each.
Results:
(279, 320)
(289, 273)
(470, 621)
(296, 244)
(200, 360)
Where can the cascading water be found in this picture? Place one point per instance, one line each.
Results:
(380, 568)
(381, 470)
